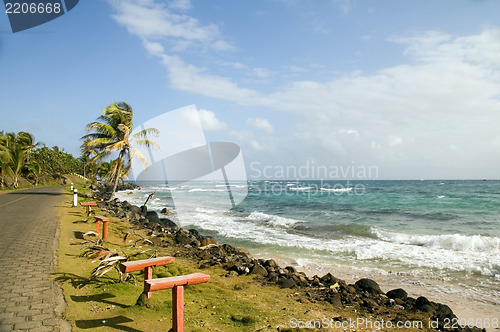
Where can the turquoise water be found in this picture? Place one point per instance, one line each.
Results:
(440, 229)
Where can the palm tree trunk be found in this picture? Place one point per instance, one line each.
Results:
(117, 177)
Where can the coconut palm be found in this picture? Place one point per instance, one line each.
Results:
(4, 158)
(35, 170)
(112, 133)
(17, 159)
(88, 164)
(104, 171)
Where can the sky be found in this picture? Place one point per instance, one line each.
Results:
(405, 89)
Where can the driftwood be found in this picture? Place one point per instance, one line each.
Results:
(149, 197)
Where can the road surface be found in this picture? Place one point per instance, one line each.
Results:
(29, 299)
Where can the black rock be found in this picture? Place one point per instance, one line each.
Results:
(152, 216)
(334, 298)
(369, 286)
(286, 283)
(270, 263)
(169, 224)
(443, 312)
(398, 293)
(422, 301)
(259, 270)
(195, 233)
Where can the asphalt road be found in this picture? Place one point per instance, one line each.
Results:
(29, 298)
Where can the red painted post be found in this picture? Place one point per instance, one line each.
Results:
(178, 308)
(97, 226)
(88, 206)
(148, 274)
(105, 230)
(177, 284)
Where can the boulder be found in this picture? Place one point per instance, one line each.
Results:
(397, 293)
(172, 226)
(166, 211)
(183, 237)
(152, 217)
(284, 282)
(208, 241)
(369, 286)
(270, 263)
(259, 270)
(334, 298)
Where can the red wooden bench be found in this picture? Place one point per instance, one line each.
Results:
(147, 265)
(104, 227)
(177, 284)
(88, 206)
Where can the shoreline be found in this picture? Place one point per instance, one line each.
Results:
(433, 289)
(338, 285)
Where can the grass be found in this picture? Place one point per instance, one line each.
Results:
(223, 304)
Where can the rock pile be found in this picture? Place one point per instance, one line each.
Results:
(365, 294)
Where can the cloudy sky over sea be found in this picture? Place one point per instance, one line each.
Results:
(412, 88)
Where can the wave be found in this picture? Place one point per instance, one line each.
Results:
(272, 219)
(300, 188)
(337, 189)
(206, 190)
(454, 242)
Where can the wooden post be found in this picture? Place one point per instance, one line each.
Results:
(178, 308)
(105, 230)
(148, 274)
(97, 226)
(177, 284)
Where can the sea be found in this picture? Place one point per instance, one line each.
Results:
(443, 236)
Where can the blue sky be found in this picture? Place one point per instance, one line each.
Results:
(412, 88)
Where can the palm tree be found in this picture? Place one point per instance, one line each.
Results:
(17, 159)
(113, 133)
(27, 142)
(35, 169)
(88, 163)
(4, 158)
(104, 171)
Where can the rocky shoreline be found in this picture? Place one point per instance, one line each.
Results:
(364, 295)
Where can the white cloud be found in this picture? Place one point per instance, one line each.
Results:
(207, 119)
(187, 77)
(181, 4)
(153, 48)
(149, 20)
(210, 122)
(262, 124)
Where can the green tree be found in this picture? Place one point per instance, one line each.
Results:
(55, 163)
(35, 170)
(15, 151)
(104, 171)
(4, 158)
(112, 133)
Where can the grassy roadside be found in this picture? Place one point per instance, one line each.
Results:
(224, 304)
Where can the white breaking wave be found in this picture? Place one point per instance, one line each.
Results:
(337, 189)
(206, 190)
(301, 188)
(454, 242)
(272, 219)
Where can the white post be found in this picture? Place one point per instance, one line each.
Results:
(75, 198)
